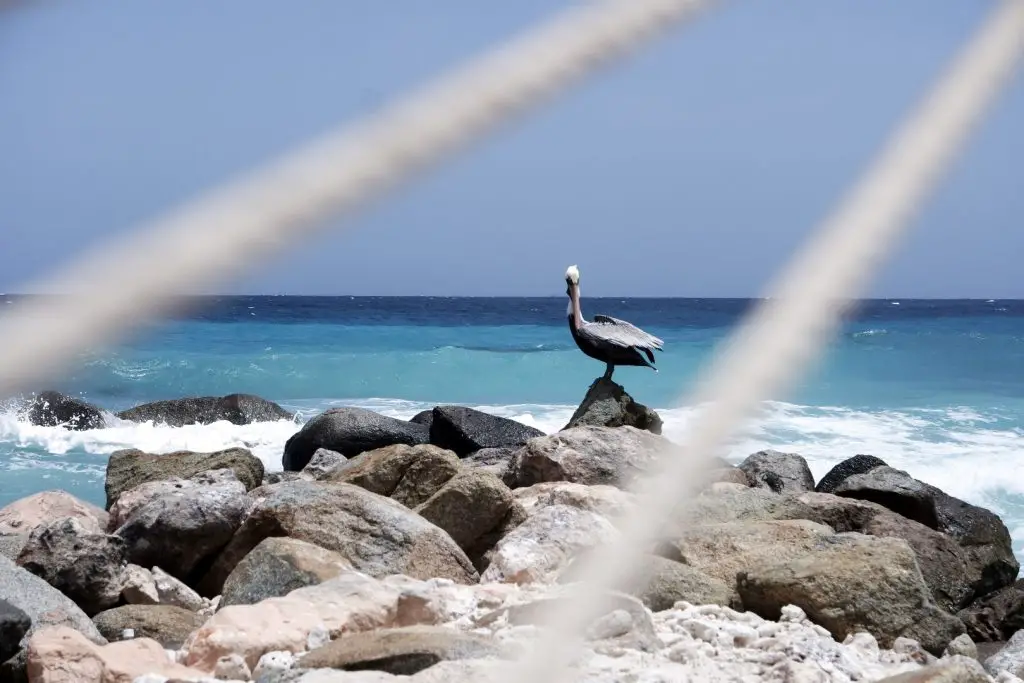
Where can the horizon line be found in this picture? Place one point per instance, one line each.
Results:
(533, 296)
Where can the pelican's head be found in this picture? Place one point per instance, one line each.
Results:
(572, 275)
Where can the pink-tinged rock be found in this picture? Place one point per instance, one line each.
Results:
(62, 655)
(607, 501)
(24, 515)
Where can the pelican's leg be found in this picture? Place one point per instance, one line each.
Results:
(608, 371)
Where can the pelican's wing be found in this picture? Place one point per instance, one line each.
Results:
(620, 333)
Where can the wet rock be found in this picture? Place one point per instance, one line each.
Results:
(127, 469)
(323, 462)
(378, 535)
(778, 472)
(858, 464)
(465, 430)
(407, 474)
(239, 409)
(183, 530)
(14, 624)
(168, 625)
(852, 583)
(53, 409)
(468, 506)
(349, 431)
(276, 567)
(400, 651)
(996, 616)
(607, 404)
(25, 514)
(87, 567)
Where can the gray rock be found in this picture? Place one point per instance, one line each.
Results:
(182, 530)
(11, 545)
(127, 469)
(14, 624)
(87, 567)
(378, 535)
(465, 430)
(961, 645)
(239, 409)
(1009, 659)
(607, 404)
(168, 625)
(277, 477)
(276, 567)
(779, 472)
(895, 490)
(400, 651)
(134, 499)
(323, 462)
(497, 461)
(468, 506)
(349, 431)
(44, 604)
(858, 464)
(997, 616)
(53, 409)
(408, 474)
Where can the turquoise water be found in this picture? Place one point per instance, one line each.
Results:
(933, 387)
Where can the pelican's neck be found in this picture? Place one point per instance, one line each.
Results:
(573, 311)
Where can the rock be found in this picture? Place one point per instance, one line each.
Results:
(53, 409)
(239, 409)
(11, 545)
(539, 548)
(1009, 659)
(87, 567)
(44, 604)
(997, 616)
(608, 501)
(14, 624)
(588, 455)
(608, 405)
(400, 651)
(895, 490)
(171, 591)
(133, 499)
(963, 646)
(424, 417)
(232, 667)
(168, 625)
(480, 551)
(665, 583)
(127, 469)
(464, 430)
(407, 474)
(729, 475)
(277, 477)
(276, 567)
(182, 530)
(349, 431)
(858, 464)
(61, 655)
(468, 506)
(377, 535)
(779, 472)
(24, 515)
(953, 670)
(497, 461)
(139, 586)
(323, 462)
(852, 583)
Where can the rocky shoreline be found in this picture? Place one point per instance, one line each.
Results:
(421, 550)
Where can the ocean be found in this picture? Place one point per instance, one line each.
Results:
(932, 387)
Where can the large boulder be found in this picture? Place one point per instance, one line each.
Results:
(129, 468)
(465, 430)
(239, 409)
(608, 405)
(14, 624)
(133, 499)
(53, 409)
(85, 565)
(408, 474)
(25, 514)
(469, 505)
(858, 464)
(349, 431)
(376, 534)
(183, 529)
(853, 583)
(996, 616)
(778, 472)
(168, 625)
(277, 566)
(895, 490)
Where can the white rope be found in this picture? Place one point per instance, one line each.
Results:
(784, 334)
(124, 284)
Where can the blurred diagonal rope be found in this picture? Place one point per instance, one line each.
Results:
(122, 285)
(785, 333)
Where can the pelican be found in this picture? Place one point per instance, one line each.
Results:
(607, 339)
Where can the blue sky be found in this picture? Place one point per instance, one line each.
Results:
(692, 169)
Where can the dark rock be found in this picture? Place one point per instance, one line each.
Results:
(468, 506)
(464, 430)
(239, 409)
(166, 624)
(14, 624)
(408, 474)
(996, 616)
(127, 469)
(895, 490)
(424, 417)
(858, 464)
(608, 405)
(378, 535)
(497, 461)
(401, 651)
(184, 530)
(53, 409)
(479, 552)
(87, 567)
(349, 431)
(779, 472)
(276, 567)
